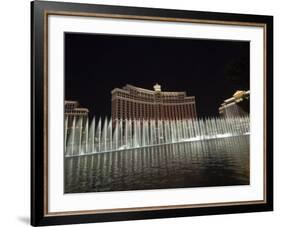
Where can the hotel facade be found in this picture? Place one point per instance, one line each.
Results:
(72, 109)
(236, 106)
(75, 118)
(137, 103)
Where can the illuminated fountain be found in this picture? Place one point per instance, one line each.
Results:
(106, 135)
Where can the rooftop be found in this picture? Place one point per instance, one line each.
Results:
(156, 87)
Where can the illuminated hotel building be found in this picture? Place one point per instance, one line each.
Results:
(75, 116)
(236, 106)
(72, 109)
(132, 102)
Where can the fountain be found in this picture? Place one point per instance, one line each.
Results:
(111, 135)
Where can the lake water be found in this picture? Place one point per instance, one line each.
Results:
(216, 162)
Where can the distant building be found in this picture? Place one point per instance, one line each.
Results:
(75, 117)
(236, 106)
(132, 102)
(72, 109)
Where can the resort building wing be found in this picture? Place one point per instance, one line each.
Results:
(133, 102)
(236, 106)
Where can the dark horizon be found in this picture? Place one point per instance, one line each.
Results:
(210, 70)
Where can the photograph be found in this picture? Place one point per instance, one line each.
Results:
(152, 112)
(145, 113)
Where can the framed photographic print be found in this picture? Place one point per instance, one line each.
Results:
(142, 113)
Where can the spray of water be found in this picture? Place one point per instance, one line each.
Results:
(82, 138)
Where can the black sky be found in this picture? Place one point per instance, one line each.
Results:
(210, 70)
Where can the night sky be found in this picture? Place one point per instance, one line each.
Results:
(210, 70)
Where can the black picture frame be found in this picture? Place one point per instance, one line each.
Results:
(39, 110)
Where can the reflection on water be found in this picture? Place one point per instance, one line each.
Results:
(217, 162)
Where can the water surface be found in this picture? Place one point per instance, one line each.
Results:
(216, 162)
